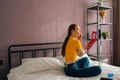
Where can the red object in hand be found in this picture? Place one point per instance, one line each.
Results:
(92, 41)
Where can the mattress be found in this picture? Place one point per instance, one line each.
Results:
(49, 68)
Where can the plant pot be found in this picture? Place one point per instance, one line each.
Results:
(104, 37)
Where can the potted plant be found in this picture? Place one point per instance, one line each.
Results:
(105, 35)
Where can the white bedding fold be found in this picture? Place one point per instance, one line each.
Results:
(37, 65)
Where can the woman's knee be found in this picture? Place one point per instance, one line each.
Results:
(68, 72)
(86, 59)
(98, 69)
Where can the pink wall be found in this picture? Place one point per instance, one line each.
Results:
(35, 21)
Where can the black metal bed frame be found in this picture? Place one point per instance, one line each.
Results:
(11, 50)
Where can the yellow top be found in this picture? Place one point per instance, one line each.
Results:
(71, 50)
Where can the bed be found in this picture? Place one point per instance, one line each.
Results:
(43, 61)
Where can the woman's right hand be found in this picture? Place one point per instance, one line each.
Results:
(80, 37)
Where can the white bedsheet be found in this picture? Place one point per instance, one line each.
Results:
(52, 69)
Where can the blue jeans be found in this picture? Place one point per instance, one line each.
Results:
(81, 68)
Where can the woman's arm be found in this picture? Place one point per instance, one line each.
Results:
(81, 52)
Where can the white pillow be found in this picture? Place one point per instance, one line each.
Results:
(85, 55)
(41, 64)
(24, 60)
(61, 58)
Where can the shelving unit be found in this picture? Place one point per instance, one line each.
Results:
(99, 25)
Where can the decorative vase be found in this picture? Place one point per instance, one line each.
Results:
(101, 3)
(102, 14)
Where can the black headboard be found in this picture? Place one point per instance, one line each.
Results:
(21, 49)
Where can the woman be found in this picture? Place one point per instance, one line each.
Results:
(70, 50)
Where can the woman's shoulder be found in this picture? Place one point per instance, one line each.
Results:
(74, 40)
